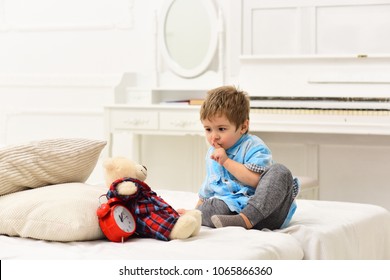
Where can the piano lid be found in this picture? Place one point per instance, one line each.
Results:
(356, 81)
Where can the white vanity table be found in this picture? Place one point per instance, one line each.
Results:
(150, 119)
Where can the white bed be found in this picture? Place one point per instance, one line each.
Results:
(319, 230)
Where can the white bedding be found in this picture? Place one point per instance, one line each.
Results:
(319, 230)
(227, 243)
(341, 230)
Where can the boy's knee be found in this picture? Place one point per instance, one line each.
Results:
(280, 168)
(282, 172)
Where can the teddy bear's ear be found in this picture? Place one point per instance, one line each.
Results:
(141, 172)
(107, 164)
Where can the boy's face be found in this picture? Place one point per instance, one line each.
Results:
(221, 133)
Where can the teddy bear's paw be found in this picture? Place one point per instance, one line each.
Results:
(184, 227)
(197, 214)
(126, 188)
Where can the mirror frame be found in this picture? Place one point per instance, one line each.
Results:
(212, 48)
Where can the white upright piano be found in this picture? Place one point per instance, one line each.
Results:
(319, 94)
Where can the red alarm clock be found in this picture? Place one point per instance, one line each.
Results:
(115, 220)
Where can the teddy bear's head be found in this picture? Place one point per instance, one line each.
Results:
(120, 167)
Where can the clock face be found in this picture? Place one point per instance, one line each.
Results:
(124, 219)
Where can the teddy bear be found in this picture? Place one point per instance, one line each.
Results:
(155, 218)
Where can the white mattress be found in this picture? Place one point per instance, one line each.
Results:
(319, 230)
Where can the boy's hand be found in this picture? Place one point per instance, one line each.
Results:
(219, 154)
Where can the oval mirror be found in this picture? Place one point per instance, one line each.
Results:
(188, 36)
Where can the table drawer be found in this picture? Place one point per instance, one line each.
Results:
(125, 119)
(180, 121)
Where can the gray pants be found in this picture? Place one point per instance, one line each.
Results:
(267, 208)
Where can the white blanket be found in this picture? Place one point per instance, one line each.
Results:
(341, 230)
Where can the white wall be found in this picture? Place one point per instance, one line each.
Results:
(60, 62)
(68, 55)
(77, 37)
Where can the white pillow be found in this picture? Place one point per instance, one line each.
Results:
(63, 212)
(47, 162)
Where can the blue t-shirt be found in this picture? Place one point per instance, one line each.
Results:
(249, 150)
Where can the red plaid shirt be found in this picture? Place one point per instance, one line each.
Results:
(155, 217)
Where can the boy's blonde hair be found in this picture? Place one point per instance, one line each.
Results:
(226, 101)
